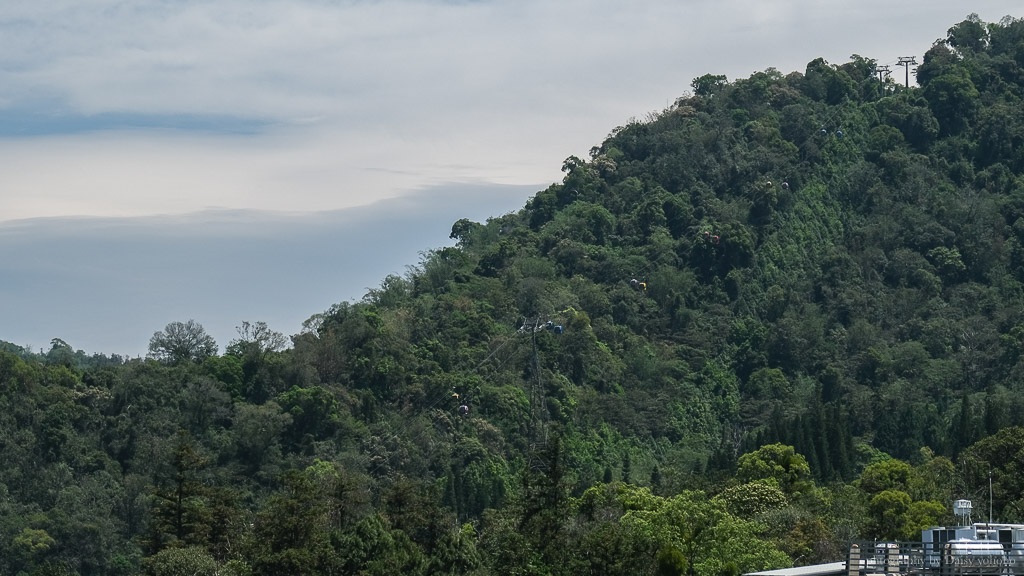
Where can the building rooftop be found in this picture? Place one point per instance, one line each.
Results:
(813, 570)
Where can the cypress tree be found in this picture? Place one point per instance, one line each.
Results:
(962, 432)
(839, 443)
(809, 449)
(655, 479)
(995, 415)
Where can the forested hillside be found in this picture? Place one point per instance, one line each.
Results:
(783, 314)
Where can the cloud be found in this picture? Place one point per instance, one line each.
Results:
(113, 107)
(401, 61)
(136, 173)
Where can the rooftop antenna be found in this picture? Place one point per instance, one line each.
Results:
(989, 496)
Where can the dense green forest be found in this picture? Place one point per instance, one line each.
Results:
(783, 314)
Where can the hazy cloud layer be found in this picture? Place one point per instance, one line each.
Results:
(105, 285)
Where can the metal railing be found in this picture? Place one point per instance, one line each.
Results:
(979, 558)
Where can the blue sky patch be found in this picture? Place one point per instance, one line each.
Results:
(23, 123)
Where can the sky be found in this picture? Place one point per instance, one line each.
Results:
(261, 160)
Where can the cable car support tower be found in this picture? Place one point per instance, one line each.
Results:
(907, 62)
